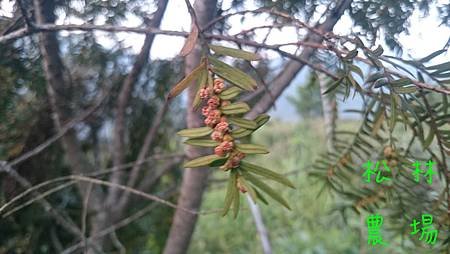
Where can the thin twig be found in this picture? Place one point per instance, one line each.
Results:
(139, 214)
(63, 220)
(87, 27)
(23, 10)
(38, 197)
(145, 148)
(35, 188)
(151, 197)
(60, 133)
(124, 97)
(84, 216)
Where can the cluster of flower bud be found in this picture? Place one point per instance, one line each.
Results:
(218, 122)
(391, 155)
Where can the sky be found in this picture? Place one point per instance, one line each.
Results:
(425, 37)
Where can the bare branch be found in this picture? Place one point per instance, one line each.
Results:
(260, 227)
(148, 141)
(285, 77)
(124, 95)
(24, 12)
(62, 220)
(125, 222)
(30, 189)
(60, 133)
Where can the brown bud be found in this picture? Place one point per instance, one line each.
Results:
(225, 103)
(227, 137)
(389, 152)
(240, 186)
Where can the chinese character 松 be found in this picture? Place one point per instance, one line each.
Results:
(375, 171)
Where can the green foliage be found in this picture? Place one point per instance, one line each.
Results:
(224, 121)
(401, 123)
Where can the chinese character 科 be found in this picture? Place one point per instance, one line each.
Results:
(374, 223)
(375, 171)
(428, 232)
(428, 174)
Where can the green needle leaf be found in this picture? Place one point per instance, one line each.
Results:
(232, 74)
(202, 161)
(230, 192)
(251, 149)
(255, 169)
(267, 189)
(225, 51)
(202, 142)
(235, 108)
(195, 132)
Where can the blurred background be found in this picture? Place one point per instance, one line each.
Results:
(99, 62)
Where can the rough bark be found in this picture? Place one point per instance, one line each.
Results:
(293, 67)
(194, 180)
(59, 90)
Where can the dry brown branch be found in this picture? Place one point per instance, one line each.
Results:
(122, 223)
(145, 148)
(124, 96)
(72, 123)
(85, 27)
(147, 196)
(61, 219)
(35, 188)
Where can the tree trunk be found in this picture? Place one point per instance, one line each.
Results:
(59, 90)
(329, 107)
(194, 180)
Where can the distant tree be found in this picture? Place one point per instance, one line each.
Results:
(307, 101)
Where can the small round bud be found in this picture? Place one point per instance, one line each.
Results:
(217, 136)
(204, 93)
(219, 151)
(218, 81)
(227, 137)
(227, 145)
(222, 127)
(389, 152)
(206, 110)
(218, 86)
(209, 122)
(225, 103)
(214, 102)
(240, 186)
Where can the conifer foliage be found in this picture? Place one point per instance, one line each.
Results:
(219, 84)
